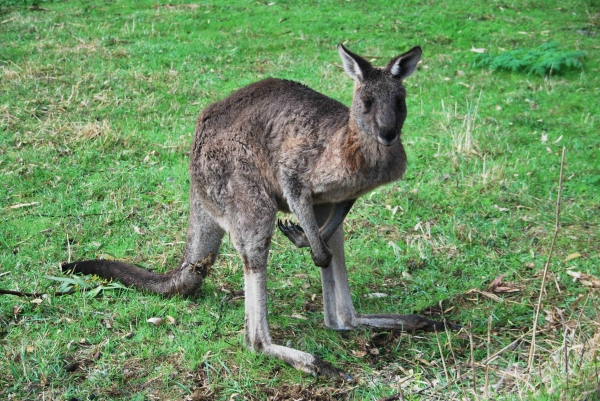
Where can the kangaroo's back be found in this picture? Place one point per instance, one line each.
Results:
(267, 112)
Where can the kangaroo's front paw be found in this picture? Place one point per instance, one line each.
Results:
(323, 258)
(294, 233)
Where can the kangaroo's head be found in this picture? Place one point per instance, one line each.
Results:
(379, 106)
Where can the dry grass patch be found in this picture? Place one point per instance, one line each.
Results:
(91, 130)
(462, 127)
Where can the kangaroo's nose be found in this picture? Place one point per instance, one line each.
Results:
(387, 136)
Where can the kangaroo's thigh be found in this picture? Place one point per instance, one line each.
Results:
(251, 222)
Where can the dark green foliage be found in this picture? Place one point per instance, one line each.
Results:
(544, 60)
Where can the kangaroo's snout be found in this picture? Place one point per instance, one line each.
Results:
(387, 137)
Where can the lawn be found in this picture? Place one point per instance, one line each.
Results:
(98, 102)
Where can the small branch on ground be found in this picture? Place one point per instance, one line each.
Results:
(545, 275)
(473, 360)
(437, 337)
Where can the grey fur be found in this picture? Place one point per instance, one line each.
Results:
(279, 145)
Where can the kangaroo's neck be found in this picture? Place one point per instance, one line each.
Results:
(353, 152)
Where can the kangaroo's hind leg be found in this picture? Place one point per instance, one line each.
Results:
(337, 302)
(251, 229)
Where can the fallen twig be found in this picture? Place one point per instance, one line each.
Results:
(437, 337)
(473, 360)
(545, 275)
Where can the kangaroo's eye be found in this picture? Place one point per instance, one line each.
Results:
(367, 103)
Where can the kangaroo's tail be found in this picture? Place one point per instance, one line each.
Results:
(184, 280)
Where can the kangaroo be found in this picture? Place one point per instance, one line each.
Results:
(279, 145)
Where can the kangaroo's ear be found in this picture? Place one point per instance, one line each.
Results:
(357, 67)
(405, 64)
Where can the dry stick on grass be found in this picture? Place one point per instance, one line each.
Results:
(473, 361)
(565, 347)
(449, 340)
(68, 249)
(17, 293)
(35, 294)
(578, 365)
(487, 367)
(545, 275)
(437, 337)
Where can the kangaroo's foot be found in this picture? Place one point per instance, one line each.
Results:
(305, 362)
(294, 233)
(407, 323)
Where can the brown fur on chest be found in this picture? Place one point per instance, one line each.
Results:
(352, 156)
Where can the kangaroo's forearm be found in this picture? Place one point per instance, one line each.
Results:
(303, 210)
(301, 205)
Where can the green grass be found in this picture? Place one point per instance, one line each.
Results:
(98, 101)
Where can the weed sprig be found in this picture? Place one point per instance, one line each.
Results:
(544, 60)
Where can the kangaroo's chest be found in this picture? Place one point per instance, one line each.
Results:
(336, 185)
